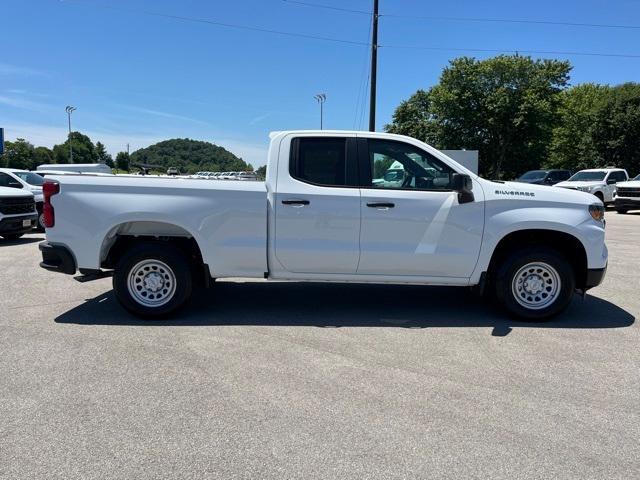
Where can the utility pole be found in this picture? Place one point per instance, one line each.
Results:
(69, 111)
(374, 68)
(321, 98)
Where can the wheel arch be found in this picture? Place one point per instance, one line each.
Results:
(568, 245)
(124, 235)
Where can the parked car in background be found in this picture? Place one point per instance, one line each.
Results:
(600, 182)
(627, 196)
(247, 176)
(24, 179)
(18, 213)
(77, 167)
(544, 177)
(173, 171)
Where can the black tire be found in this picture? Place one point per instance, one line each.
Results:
(168, 257)
(39, 223)
(514, 265)
(12, 236)
(622, 210)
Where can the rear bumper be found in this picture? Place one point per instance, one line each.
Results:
(627, 202)
(594, 277)
(57, 258)
(14, 224)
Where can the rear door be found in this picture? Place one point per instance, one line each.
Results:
(317, 206)
(412, 221)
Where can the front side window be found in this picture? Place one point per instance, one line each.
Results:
(320, 161)
(398, 165)
(618, 176)
(8, 181)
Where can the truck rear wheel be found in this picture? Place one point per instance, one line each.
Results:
(152, 280)
(535, 283)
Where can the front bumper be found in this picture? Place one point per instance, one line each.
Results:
(57, 258)
(15, 224)
(594, 277)
(624, 202)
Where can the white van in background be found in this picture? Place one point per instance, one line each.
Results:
(76, 167)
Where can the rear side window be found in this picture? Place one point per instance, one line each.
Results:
(320, 161)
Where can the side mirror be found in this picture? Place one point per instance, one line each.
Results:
(14, 184)
(611, 181)
(462, 184)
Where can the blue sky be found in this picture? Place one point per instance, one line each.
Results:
(138, 78)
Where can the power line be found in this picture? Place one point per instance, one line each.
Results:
(327, 7)
(498, 50)
(344, 41)
(466, 19)
(220, 24)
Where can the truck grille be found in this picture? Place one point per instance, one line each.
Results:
(628, 192)
(17, 205)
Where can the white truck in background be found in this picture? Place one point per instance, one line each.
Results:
(323, 215)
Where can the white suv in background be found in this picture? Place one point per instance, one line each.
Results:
(600, 182)
(29, 181)
(627, 195)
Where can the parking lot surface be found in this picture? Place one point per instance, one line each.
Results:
(292, 380)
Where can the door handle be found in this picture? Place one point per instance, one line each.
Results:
(381, 205)
(295, 203)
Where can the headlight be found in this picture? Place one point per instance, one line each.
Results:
(597, 212)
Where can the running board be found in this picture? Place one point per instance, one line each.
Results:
(90, 275)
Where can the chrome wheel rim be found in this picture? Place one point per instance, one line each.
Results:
(536, 285)
(151, 283)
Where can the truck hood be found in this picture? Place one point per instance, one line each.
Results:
(567, 184)
(535, 193)
(14, 192)
(630, 184)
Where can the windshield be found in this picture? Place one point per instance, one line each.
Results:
(588, 176)
(30, 177)
(533, 175)
(637, 177)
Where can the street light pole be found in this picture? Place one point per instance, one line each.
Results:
(70, 110)
(374, 68)
(321, 98)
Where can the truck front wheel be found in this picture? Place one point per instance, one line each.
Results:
(535, 283)
(152, 280)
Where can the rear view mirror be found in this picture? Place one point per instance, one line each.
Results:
(462, 184)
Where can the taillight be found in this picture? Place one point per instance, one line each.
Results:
(49, 188)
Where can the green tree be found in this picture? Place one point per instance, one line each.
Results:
(83, 150)
(122, 161)
(505, 107)
(41, 156)
(189, 156)
(616, 130)
(18, 154)
(572, 144)
(262, 172)
(103, 156)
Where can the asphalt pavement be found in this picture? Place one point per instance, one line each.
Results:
(317, 381)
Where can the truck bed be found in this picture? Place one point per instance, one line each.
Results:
(228, 218)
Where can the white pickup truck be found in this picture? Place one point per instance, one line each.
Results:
(323, 214)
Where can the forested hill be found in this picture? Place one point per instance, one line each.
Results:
(189, 156)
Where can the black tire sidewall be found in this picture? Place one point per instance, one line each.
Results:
(167, 254)
(528, 255)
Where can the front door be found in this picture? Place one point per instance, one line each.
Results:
(317, 207)
(412, 222)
